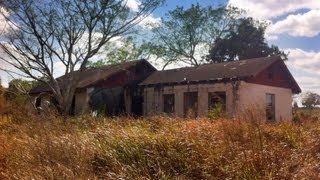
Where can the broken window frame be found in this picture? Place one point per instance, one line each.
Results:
(38, 102)
(189, 106)
(220, 97)
(270, 107)
(168, 103)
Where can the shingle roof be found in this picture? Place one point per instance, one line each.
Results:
(92, 75)
(211, 72)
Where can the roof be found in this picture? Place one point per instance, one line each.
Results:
(211, 72)
(91, 76)
(227, 71)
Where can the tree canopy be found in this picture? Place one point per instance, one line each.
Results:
(311, 100)
(18, 90)
(244, 42)
(126, 49)
(199, 35)
(185, 35)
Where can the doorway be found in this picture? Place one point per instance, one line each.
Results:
(190, 104)
(137, 105)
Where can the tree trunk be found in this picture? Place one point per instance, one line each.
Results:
(66, 106)
(66, 95)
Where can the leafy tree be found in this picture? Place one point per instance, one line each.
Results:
(311, 100)
(244, 42)
(18, 90)
(184, 32)
(45, 34)
(121, 51)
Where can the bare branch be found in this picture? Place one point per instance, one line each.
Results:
(44, 34)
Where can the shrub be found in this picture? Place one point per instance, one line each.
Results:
(216, 111)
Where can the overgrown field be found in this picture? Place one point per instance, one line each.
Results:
(157, 148)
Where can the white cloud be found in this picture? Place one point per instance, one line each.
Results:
(298, 25)
(306, 66)
(3, 23)
(271, 37)
(133, 5)
(4, 76)
(310, 83)
(6, 70)
(4, 79)
(272, 8)
(308, 61)
(306, 24)
(149, 22)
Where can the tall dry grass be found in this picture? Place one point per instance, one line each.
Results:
(157, 148)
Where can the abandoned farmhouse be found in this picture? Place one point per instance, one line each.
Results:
(137, 88)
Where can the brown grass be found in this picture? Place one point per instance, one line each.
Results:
(157, 148)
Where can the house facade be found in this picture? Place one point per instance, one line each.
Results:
(137, 88)
(111, 90)
(263, 84)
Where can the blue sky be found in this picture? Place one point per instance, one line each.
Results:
(171, 4)
(294, 27)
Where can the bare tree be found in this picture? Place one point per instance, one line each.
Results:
(43, 34)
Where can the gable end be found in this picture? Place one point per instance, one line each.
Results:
(276, 75)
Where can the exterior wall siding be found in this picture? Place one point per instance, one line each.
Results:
(127, 100)
(279, 77)
(254, 95)
(238, 98)
(153, 98)
(81, 102)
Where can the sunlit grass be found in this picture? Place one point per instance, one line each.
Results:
(156, 148)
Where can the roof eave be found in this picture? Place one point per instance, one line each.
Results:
(223, 80)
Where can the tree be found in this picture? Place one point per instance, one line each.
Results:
(295, 105)
(311, 100)
(46, 35)
(18, 90)
(244, 42)
(1, 89)
(121, 51)
(183, 33)
(3, 103)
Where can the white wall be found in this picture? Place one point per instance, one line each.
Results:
(247, 96)
(254, 95)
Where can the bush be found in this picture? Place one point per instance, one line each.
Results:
(216, 111)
